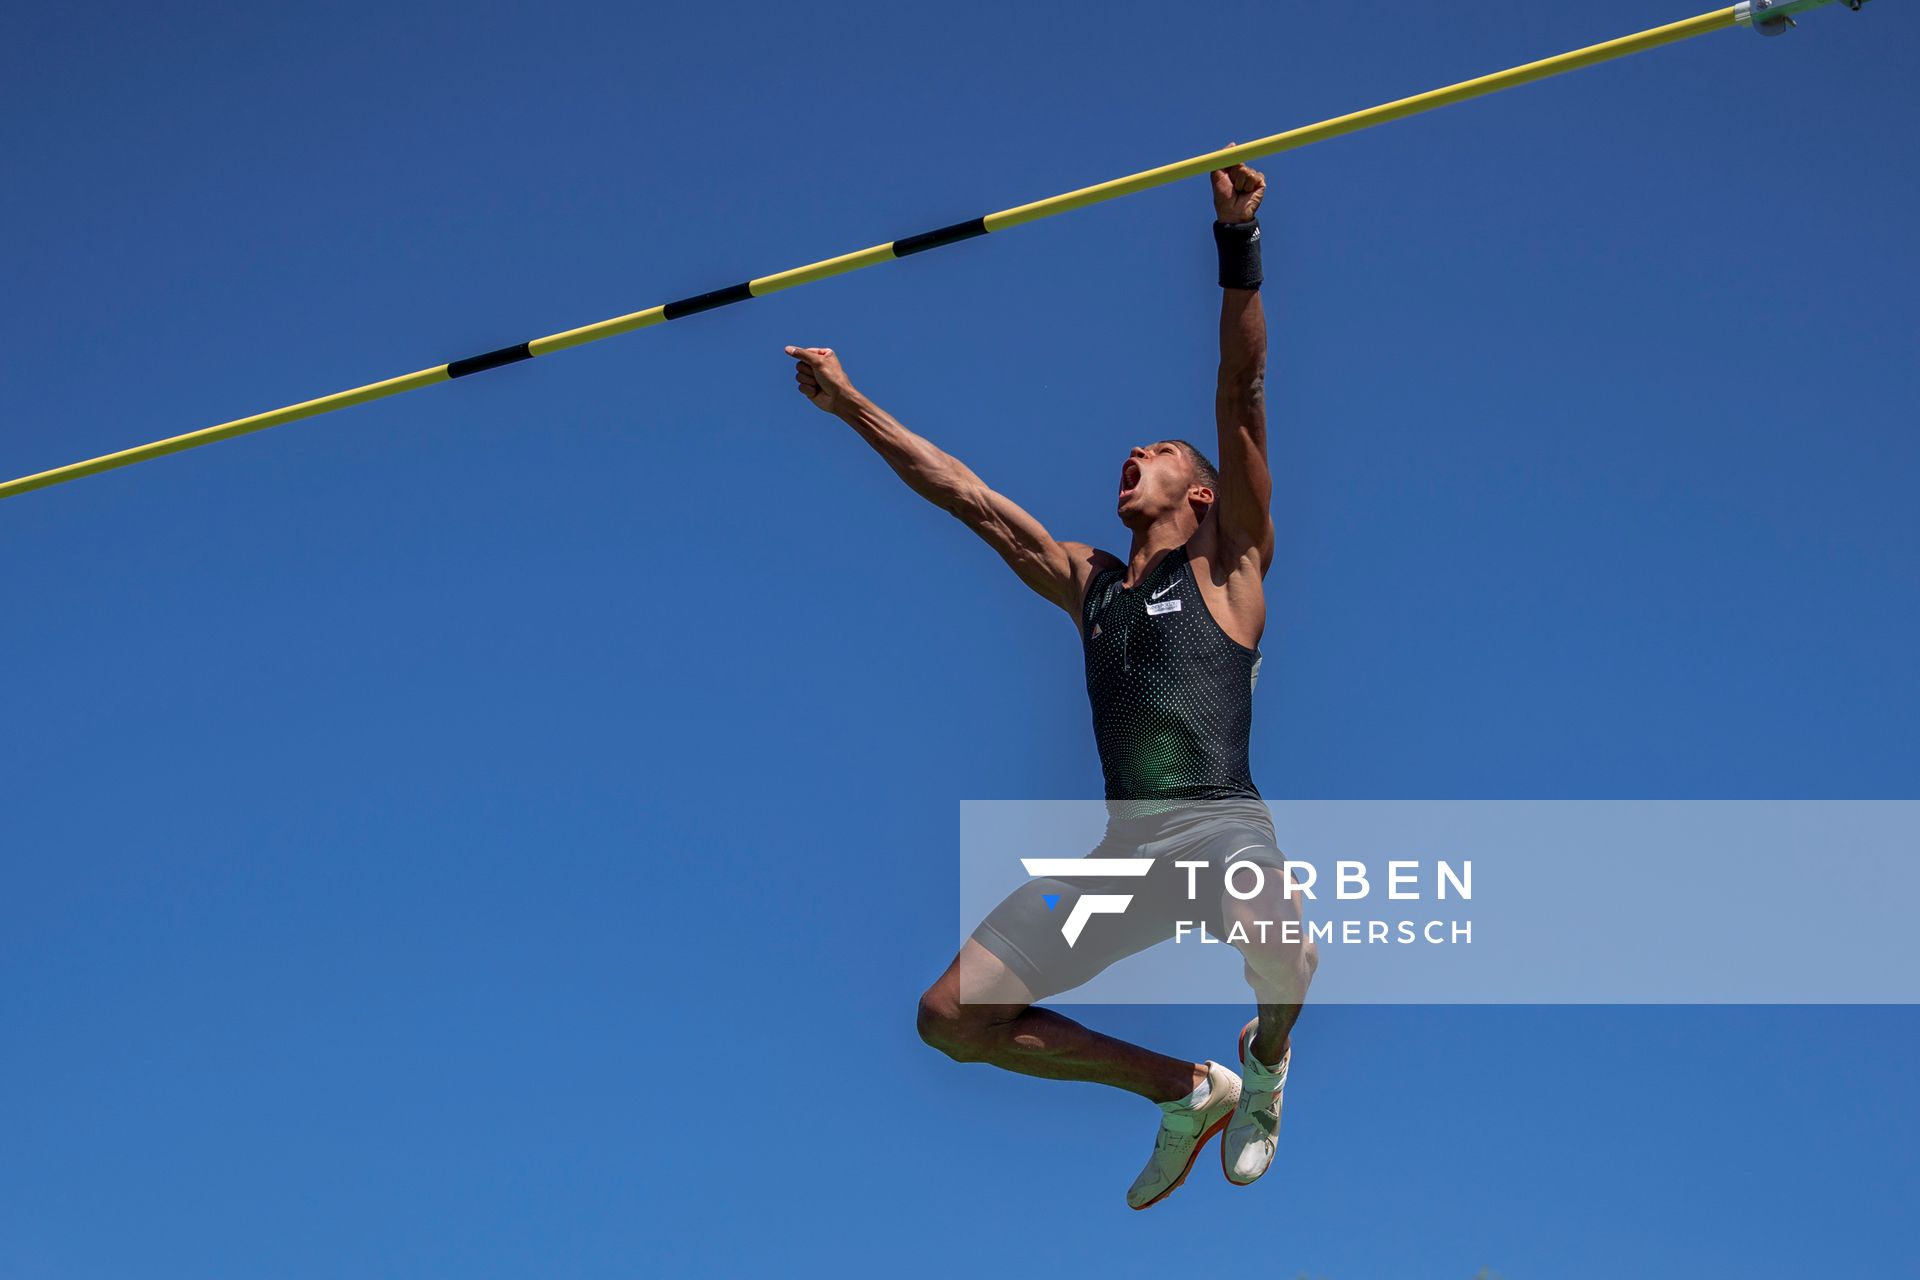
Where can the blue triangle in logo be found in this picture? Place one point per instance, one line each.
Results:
(1051, 899)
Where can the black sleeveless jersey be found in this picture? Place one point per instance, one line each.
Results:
(1172, 694)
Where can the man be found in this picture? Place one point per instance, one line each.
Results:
(1171, 637)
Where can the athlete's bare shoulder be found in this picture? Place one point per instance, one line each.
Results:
(1088, 562)
(1230, 584)
(1092, 557)
(1208, 550)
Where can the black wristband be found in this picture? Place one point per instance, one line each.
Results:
(1239, 247)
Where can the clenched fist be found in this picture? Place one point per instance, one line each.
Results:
(1237, 192)
(821, 379)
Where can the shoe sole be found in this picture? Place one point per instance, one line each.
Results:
(1206, 1136)
(1224, 1171)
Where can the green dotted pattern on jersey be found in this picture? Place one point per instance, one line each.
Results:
(1172, 695)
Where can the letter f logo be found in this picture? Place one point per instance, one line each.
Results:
(1088, 905)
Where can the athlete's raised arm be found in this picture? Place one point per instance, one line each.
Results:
(1057, 570)
(1245, 524)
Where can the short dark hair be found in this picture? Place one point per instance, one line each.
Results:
(1203, 468)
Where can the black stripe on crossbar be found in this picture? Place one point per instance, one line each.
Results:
(708, 301)
(945, 235)
(491, 360)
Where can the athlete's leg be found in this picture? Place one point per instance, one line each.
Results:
(1278, 970)
(1279, 965)
(1008, 1032)
(981, 1010)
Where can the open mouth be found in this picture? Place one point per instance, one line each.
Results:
(1129, 477)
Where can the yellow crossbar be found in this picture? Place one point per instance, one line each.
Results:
(1020, 214)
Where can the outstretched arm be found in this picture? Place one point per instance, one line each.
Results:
(1240, 406)
(1056, 570)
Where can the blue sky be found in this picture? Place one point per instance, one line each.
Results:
(428, 826)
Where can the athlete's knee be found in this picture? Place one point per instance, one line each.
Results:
(1266, 926)
(934, 1019)
(1270, 932)
(1269, 918)
(965, 1033)
(943, 1023)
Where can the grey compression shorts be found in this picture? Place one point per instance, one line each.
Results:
(1025, 932)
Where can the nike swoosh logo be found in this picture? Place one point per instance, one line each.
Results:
(1162, 591)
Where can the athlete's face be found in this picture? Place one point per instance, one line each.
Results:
(1155, 479)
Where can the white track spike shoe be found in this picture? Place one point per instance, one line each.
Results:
(1183, 1132)
(1254, 1129)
